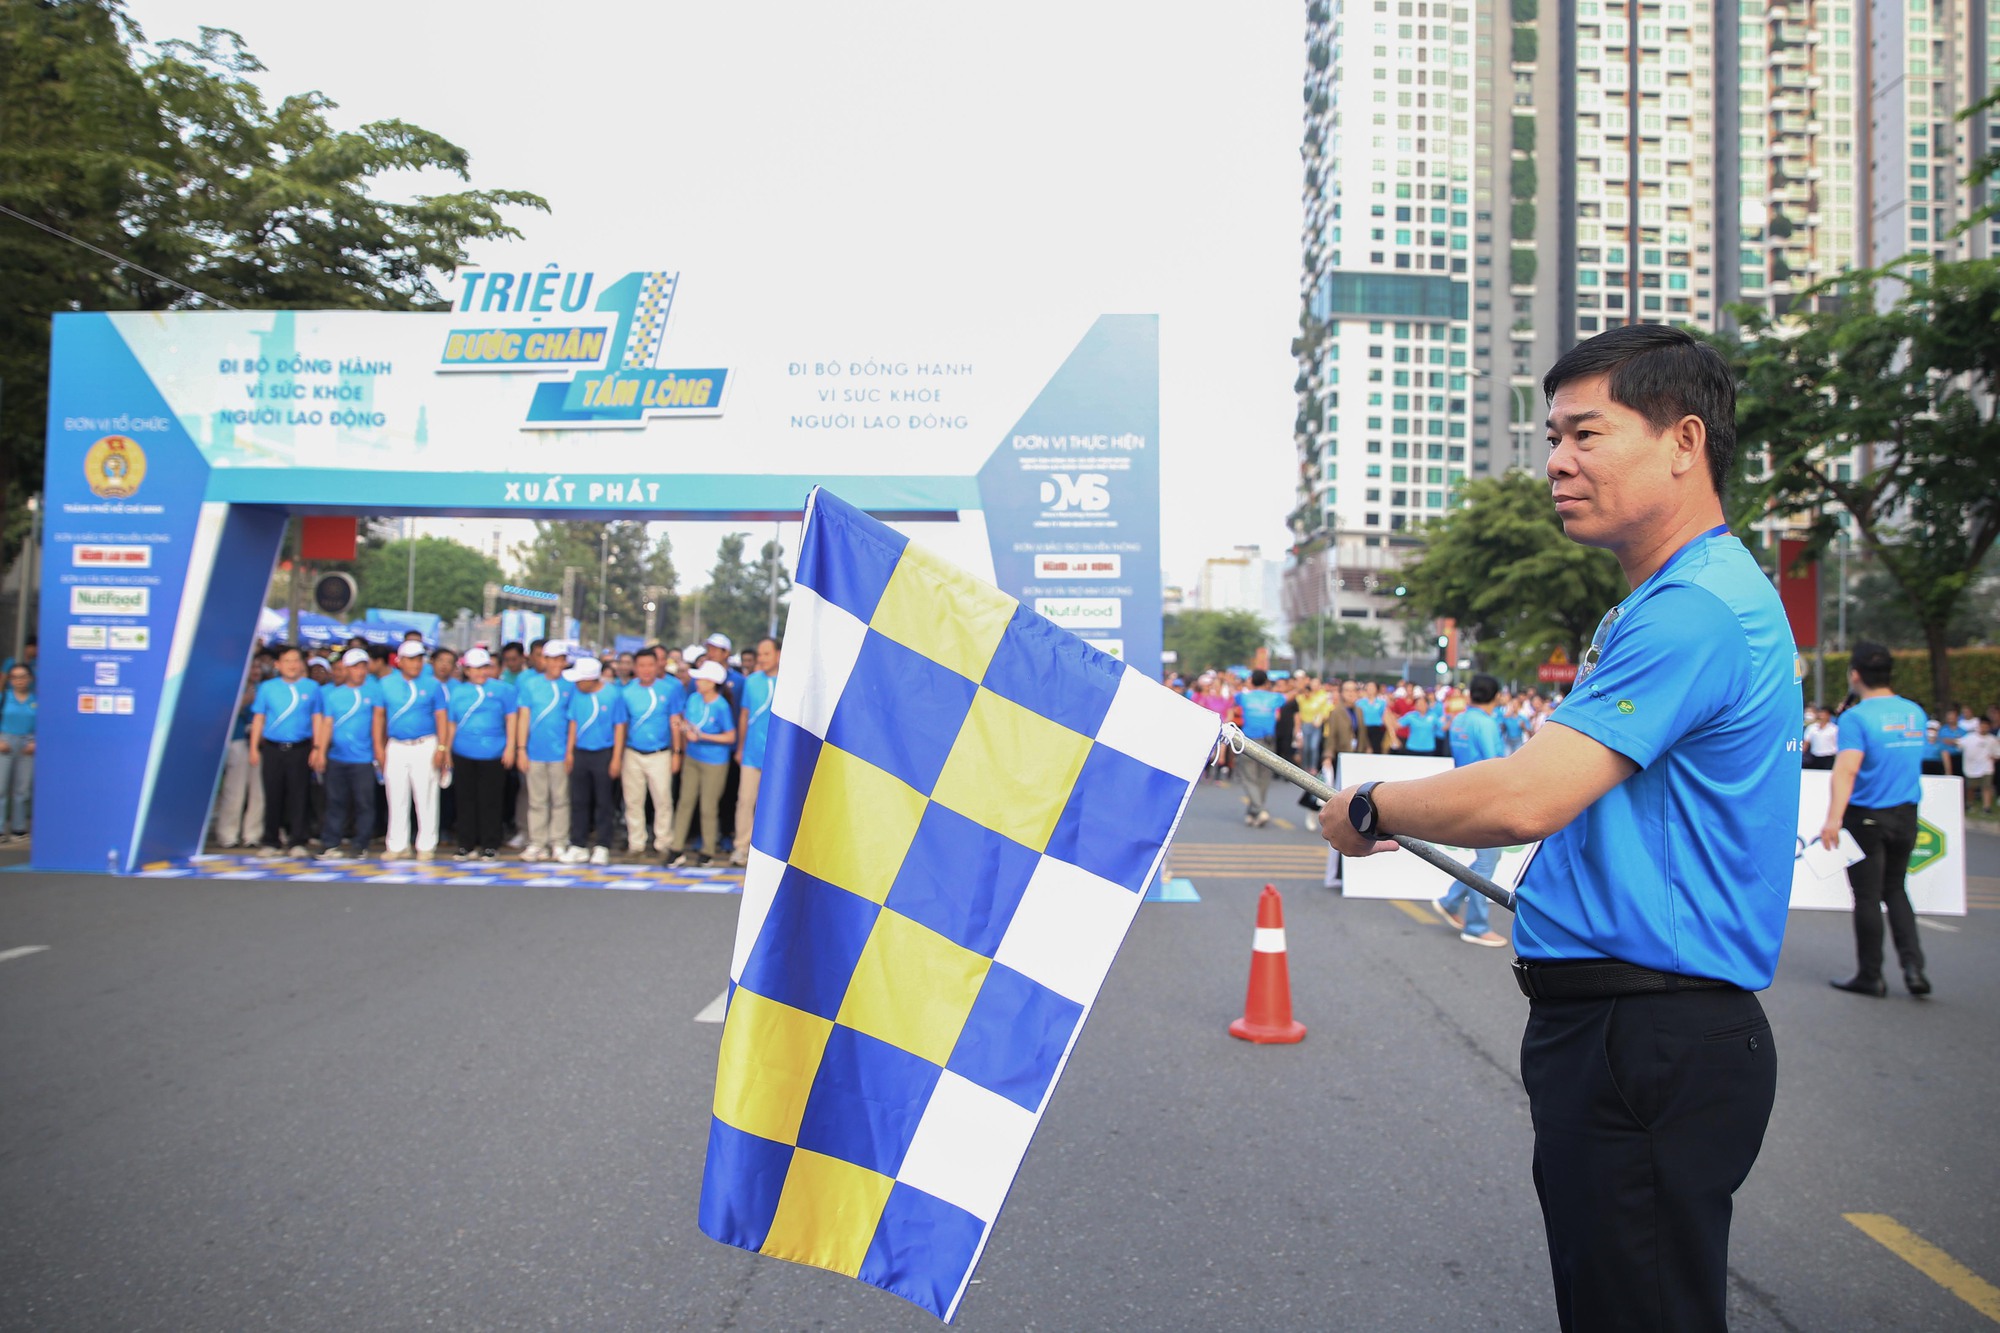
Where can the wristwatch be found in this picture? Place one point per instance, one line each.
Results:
(1362, 814)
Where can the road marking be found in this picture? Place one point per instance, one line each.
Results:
(1284, 823)
(715, 1009)
(1944, 926)
(1416, 913)
(1929, 1260)
(9, 955)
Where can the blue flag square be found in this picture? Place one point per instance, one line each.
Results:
(815, 979)
(900, 711)
(922, 1250)
(962, 879)
(866, 1101)
(847, 557)
(1052, 672)
(741, 1183)
(1014, 1041)
(1119, 815)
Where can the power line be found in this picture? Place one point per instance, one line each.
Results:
(123, 263)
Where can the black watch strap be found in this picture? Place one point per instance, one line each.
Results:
(1361, 811)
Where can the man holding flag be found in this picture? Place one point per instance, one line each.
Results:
(1666, 791)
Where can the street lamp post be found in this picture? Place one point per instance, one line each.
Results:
(603, 583)
(410, 540)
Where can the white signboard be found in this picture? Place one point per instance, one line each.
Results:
(1937, 871)
(96, 599)
(1398, 874)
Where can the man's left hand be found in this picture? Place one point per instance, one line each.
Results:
(1338, 829)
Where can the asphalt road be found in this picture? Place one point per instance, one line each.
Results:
(309, 1106)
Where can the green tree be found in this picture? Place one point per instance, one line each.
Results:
(1502, 567)
(1329, 639)
(1889, 417)
(170, 158)
(617, 585)
(737, 600)
(1213, 639)
(451, 576)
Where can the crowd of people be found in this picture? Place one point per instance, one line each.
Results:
(541, 749)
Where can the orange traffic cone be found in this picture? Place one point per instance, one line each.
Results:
(1267, 1009)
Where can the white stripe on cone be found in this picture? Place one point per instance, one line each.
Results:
(1268, 940)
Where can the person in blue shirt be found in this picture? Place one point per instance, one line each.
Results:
(1508, 714)
(1950, 730)
(1374, 706)
(753, 731)
(18, 709)
(594, 756)
(1475, 736)
(347, 757)
(281, 745)
(410, 726)
(708, 733)
(1260, 707)
(1876, 786)
(652, 702)
(1420, 727)
(543, 725)
(1665, 790)
(484, 729)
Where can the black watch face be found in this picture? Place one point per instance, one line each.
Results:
(1361, 813)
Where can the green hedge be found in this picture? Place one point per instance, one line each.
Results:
(1521, 265)
(1524, 222)
(1525, 11)
(1526, 44)
(1524, 132)
(1975, 676)
(1523, 179)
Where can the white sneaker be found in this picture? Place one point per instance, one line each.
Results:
(1490, 940)
(535, 853)
(518, 841)
(573, 856)
(600, 856)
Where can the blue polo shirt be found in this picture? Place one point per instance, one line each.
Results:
(351, 709)
(1510, 727)
(1373, 711)
(479, 716)
(1423, 731)
(287, 707)
(1475, 735)
(1260, 713)
(546, 703)
(710, 715)
(17, 716)
(1889, 732)
(757, 692)
(411, 705)
(1686, 866)
(649, 713)
(597, 716)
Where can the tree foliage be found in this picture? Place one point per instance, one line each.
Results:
(1204, 640)
(617, 584)
(1889, 417)
(1502, 567)
(171, 158)
(1326, 640)
(451, 576)
(737, 600)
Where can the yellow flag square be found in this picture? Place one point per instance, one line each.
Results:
(827, 1213)
(770, 1056)
(937, 609)
(857, 824)
(913, 988)
(1011, 770)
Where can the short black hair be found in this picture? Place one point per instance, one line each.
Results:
(1483, 689)
(1873, 664)
(773, 640)
(1260, 677)
(514, 644)
(378, 652)
(1663, 373)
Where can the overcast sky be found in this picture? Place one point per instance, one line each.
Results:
(1141, 156)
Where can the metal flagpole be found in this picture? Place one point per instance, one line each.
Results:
(1233, 737)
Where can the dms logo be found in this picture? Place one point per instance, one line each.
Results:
(554, 320)
(1087, 491)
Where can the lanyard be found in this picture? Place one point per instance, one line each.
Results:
(1589, 663)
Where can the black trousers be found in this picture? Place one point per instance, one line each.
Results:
(350, 798)
(593, 816)
(1649, 1111)
(481, 785)
(287, 773)
(1378, 738)
(1887, 836)
(1819, 761)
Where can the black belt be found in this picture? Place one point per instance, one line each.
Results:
(661, 750)
(1586, 979)
(284, 745)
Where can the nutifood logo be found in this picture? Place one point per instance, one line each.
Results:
(547, 322)
(114, 467)
(1930, 846)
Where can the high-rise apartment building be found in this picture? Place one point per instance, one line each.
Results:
(1488, 182)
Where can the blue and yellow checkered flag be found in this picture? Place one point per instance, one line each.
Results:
(961, 807)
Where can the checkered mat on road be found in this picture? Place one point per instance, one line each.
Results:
(638, 876)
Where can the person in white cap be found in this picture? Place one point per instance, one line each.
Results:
(717, 648)
(409, 719)
(319, 671)
(708, 729)
(543, 725)
(484, 726)
(348, 757)
(596, 754)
